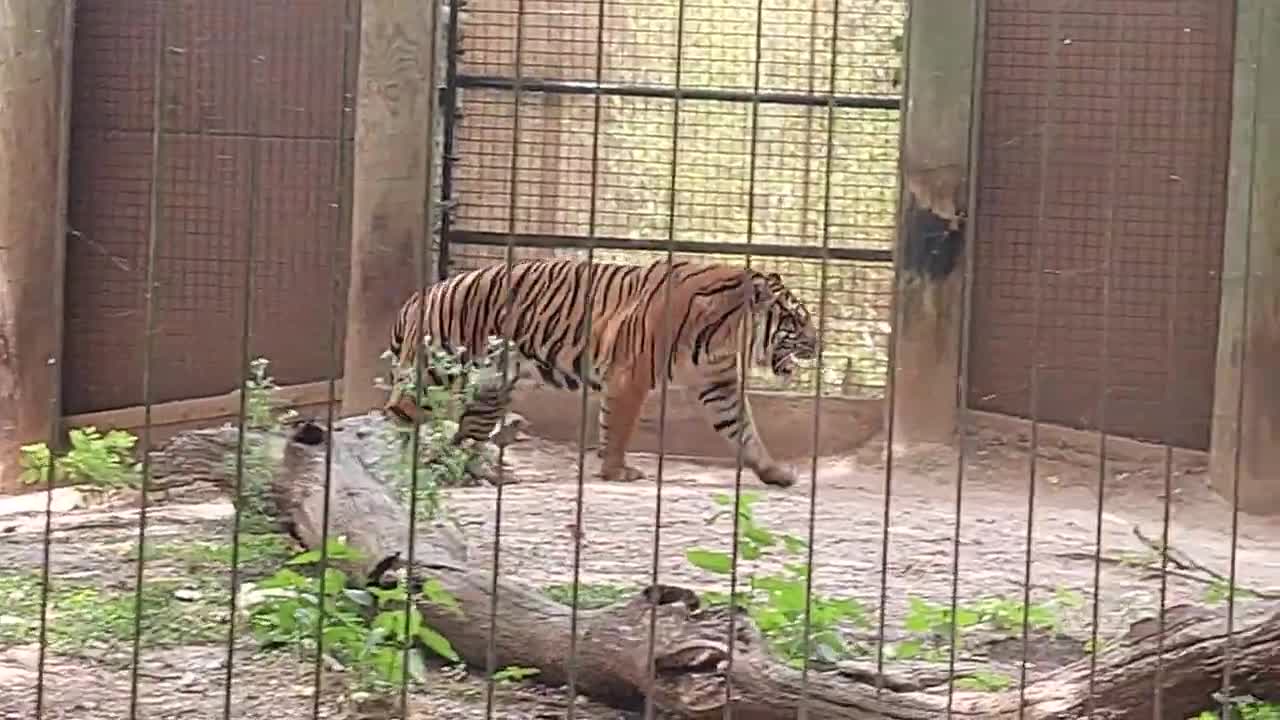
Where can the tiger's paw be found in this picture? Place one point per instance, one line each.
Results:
(626, 473)
(776, 475)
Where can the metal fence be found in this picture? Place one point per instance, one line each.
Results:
(604, 154)
(1004, 577)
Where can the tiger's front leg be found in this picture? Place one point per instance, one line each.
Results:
(620, 408)
(726, 407)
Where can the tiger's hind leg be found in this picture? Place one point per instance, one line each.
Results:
(726, 407)
(620, 408)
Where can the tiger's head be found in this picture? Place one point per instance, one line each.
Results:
(784, 328)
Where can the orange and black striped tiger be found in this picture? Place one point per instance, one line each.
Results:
(697, 344)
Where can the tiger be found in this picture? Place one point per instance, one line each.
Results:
(634, 337)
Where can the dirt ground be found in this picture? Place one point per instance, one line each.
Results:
(183, 665)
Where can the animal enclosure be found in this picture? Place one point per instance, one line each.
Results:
(1033, 451)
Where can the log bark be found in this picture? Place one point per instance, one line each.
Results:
(692, 676)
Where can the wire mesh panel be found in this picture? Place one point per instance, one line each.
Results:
(213, 119)
(720, 171)
(1161, 73)
(324, 567)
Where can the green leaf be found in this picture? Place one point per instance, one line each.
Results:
(360, 597)
(435, 593)
(760, 536)
(716, 562)
(907, 650)
(437, 643)
(794, 544)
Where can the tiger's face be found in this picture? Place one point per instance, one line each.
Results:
(787, 330)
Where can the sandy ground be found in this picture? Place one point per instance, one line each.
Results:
(183, 667)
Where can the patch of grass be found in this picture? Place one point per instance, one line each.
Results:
(260, 555)
(590, 595)
(82, 616)
(1244, 708)
(984, 681)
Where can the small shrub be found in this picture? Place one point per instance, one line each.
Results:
(1243, 708)
(263, 413)
(777, 602)
(440, 463)
(366, 630)
(105, 460)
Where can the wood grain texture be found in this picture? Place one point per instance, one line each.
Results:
(936, 138)
(1246, 407)
(35, 54)
(391, 177)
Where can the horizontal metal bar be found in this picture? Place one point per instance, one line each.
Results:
(576, 87)
(466, 237)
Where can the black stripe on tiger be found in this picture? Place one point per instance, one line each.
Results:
(542, 308)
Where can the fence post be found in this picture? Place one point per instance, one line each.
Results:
(35, 59)
(389, 227)
(1246, 403)
(940, 86)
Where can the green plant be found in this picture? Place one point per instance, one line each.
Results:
(105, 460)
(1243, 708)
(1220, 590)
(777, 602)
(262, 410)
(984, 681)
(263, 413)
(369, 630)
(440, 462)
(590, 595)
(514, 674)
(83, 615)
(935, 625)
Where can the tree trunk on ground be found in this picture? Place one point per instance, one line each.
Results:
(691, 673)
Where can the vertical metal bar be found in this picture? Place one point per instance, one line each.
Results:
(1171, 415)
(1228, 664)
(803, 710)
(1114, 73)
(343, 181)
(1037, 315)
(246, 334)
(745, 346)
(895, 313)
(588, 366)
(424, 262)
(449, 107)
(677, 95)
(508, 302)
(966, 317)
(67, 40)
(153, 240)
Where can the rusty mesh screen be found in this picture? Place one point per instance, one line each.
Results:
(1103, 261)
(711, 164)
(253, 109)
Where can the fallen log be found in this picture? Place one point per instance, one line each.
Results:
(692, 676)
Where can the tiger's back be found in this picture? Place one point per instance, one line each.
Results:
(616, 328)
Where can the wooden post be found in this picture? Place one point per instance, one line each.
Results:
(941, 79)
(35, 61)
(389, 228)
(1246, 403)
